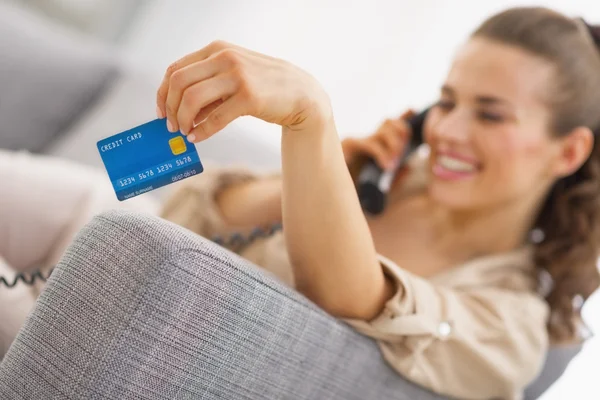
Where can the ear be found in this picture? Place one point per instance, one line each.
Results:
(573, 150)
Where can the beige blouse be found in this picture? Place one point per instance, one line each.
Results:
(477, 331)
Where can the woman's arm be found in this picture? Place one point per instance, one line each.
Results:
(258, 202)
(329, 242)
(223, 201)
(330, 246)
(251, 204)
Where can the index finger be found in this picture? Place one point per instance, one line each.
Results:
(200, 55)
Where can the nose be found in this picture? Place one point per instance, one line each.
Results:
(451, 126)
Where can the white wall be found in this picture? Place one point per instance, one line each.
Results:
(104, 19)
(375, 58)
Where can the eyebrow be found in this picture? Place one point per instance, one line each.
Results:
(481, 99)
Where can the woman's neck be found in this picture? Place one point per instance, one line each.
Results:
(474, 232)
(490, 230)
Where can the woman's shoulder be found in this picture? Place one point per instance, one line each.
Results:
(514, 270)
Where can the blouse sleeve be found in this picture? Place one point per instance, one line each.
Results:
(473, 343)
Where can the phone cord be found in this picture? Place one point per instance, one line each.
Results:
(234, 240)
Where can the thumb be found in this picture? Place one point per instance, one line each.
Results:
(408, 114)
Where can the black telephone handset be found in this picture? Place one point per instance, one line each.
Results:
(374, 183)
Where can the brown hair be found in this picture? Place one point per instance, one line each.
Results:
(570, 217)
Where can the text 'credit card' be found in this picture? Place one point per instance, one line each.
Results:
(147, 157)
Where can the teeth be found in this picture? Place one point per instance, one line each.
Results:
(455, 165)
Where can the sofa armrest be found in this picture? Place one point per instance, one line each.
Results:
(142, 308)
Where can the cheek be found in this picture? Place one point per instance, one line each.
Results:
(514, 152)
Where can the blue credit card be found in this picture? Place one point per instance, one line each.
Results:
(147, 157)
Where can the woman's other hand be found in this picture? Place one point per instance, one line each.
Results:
(385, 146)
(206, 90)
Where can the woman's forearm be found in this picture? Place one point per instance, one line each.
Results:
(251, 204)
(328, 239)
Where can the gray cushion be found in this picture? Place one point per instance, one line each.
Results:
(142, 308)
(557, 361)
(48, 76)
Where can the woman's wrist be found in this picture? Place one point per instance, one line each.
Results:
(314, 113)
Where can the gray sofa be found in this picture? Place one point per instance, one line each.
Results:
(140, 308)
(62, 92)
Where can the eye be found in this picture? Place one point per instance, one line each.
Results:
(490, 117)
(445, 105)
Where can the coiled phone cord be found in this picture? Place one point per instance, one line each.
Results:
(28, 279)
(234, 240)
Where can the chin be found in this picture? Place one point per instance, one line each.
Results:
(452, 182)
(453, 195)
(453, 198)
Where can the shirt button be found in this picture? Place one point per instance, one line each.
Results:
(444, 329)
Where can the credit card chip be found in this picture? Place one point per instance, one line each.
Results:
(177, 145)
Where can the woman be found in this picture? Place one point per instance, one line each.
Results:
(446, 279)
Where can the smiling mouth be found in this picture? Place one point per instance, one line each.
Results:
(451, 168)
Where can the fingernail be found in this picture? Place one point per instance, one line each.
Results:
(159, 113)
(170, 127)
(191, 138)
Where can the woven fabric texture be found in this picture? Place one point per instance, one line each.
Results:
(140, 308)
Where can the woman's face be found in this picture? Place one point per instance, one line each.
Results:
(489, 135)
